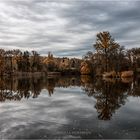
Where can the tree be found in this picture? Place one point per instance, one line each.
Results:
(8, 61)
(19, 61)
(106, 46)
(134, 56)
(35, 61)
(26, 61)
(50, 63)
(88, 55)
(2, 63)
(23, 61)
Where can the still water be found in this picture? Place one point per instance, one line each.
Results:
(69, 107)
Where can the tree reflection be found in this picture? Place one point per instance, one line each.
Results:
(16, 89)
(111, 98)
(51, 85)
(110, 94)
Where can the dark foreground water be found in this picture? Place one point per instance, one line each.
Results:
(69, 107)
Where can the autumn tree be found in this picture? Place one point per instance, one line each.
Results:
(134, 56)
(106, 47)
(50, 63)
(88, 56)
(2, 64)
(35, 61)
(8, 61)
(24, 61)
(19, 61)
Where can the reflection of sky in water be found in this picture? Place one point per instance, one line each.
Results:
(68, 113)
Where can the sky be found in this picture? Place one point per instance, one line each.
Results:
(67, 27)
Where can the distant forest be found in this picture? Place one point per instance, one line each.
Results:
(109, 58)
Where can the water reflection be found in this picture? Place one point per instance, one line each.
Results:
(110, 94)
(18, 88)
(69, 107)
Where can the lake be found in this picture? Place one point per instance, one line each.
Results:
(69, 107)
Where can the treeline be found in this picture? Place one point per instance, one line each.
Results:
(110, 56)
(16, 60)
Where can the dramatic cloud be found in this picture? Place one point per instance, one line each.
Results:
(66, 28)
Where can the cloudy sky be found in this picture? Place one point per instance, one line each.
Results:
(64, 27)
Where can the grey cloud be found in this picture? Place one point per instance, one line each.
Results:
(67, 28)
